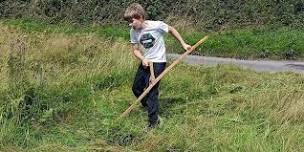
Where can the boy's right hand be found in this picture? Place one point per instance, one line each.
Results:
(187, 47)
(145, 62)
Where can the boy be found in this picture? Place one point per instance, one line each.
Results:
(147, 37)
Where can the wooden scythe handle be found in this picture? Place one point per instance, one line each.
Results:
(162, 75)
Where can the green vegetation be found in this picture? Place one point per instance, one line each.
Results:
(206, 14)
(62, 89)
(266, 42)
(33, 26)
(255, 43)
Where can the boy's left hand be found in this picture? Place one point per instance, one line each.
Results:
(186, 47)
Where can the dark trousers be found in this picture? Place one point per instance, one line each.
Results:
(141, 81)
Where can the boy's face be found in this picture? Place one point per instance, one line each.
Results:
(136, 24)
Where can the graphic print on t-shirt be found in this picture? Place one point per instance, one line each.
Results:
(147, 40)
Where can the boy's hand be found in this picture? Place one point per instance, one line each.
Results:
(186, 47)
(145, 62)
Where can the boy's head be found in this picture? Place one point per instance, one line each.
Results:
(135, 15)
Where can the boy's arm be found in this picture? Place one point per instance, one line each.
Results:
(175, 33)
(137, 53)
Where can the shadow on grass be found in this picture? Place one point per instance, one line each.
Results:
(167, 104)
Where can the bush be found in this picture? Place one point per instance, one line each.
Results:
(206, 14)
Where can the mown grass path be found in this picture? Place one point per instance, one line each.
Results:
(257, 65)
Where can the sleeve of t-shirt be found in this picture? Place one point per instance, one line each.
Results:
(163, 27)
(133, 37)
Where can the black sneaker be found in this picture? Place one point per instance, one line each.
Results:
(158, 124)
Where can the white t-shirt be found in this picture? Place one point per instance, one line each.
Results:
(151, 38)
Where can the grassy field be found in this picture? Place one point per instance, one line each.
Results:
(63, 88)
(265, 42)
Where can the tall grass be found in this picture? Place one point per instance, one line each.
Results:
(49, 78)
(64, 92)
(261, 42)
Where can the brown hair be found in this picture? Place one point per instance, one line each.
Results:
(136, 11)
